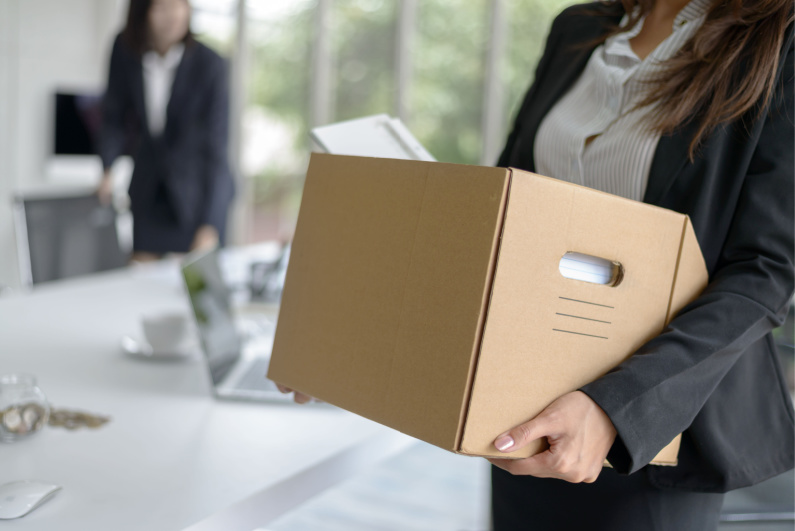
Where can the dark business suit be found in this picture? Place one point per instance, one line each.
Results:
(181, 178)
(713, 373)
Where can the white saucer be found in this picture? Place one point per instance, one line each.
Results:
(139, 348)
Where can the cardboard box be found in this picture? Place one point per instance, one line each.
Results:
(427, 296)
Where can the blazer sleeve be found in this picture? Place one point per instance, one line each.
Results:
(552, 44)
(218, 181)
(114, 107)
(658, 391)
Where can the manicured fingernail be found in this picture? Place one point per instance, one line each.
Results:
(503, 443)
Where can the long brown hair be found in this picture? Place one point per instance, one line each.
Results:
(136, 31)
(727, 68)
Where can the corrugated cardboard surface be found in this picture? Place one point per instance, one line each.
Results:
(691, 274)
(388, 280)
(427, 296)
(546, 335)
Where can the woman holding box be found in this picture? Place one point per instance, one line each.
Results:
(688, 106)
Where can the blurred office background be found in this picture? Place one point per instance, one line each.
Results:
(454, 71)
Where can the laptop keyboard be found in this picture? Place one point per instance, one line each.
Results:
(254, 379)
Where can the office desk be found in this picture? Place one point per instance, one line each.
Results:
(172, 457)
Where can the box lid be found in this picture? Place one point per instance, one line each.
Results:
(384, 299)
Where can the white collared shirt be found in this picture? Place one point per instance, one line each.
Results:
(600, 106)
(159, 72)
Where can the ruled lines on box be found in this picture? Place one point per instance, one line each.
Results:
(571, 321)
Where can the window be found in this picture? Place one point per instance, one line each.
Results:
(275, 120)
(214, 22)
(363, 56)
(454, 71)
(448, 78)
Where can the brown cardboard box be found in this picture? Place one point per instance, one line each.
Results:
(427, 296)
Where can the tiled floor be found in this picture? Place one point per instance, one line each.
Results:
(422, 489)
(426, 488)
(773, 496)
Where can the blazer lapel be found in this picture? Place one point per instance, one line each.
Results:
(137, 87)
(575, 57)
(667, 164)
(567, 68)
(670, 156)
(575, 61)
(179, 89)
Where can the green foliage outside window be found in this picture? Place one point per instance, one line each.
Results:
(445, 97)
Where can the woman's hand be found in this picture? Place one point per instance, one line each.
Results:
(300, 398)
(579, 434)
(206, 238)
(105, 189)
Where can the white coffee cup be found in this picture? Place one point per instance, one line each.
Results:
(165, 331)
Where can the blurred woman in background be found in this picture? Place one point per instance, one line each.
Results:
(171, 92)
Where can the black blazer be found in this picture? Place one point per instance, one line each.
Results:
(190, 159)
(713, 373)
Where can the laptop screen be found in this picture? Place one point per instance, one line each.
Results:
(210, 299)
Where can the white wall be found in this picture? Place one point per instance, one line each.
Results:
(44, 45)
(8, 158)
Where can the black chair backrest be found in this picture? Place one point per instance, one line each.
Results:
(65, 236)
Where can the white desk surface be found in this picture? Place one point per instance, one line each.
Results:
(172, 457)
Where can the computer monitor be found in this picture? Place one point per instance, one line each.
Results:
(78, 120)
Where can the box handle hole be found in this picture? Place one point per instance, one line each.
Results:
(578, 266)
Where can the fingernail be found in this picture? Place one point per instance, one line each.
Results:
(503, 443)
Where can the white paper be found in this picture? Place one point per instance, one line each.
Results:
(373, 136)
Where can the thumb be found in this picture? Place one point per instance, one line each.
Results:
(524, 434)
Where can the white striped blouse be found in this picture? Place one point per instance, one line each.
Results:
(592, 136)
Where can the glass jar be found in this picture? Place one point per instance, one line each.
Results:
(23, 407)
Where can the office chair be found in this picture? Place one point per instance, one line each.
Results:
(65, 235)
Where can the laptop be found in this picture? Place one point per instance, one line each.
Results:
(237, 365)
